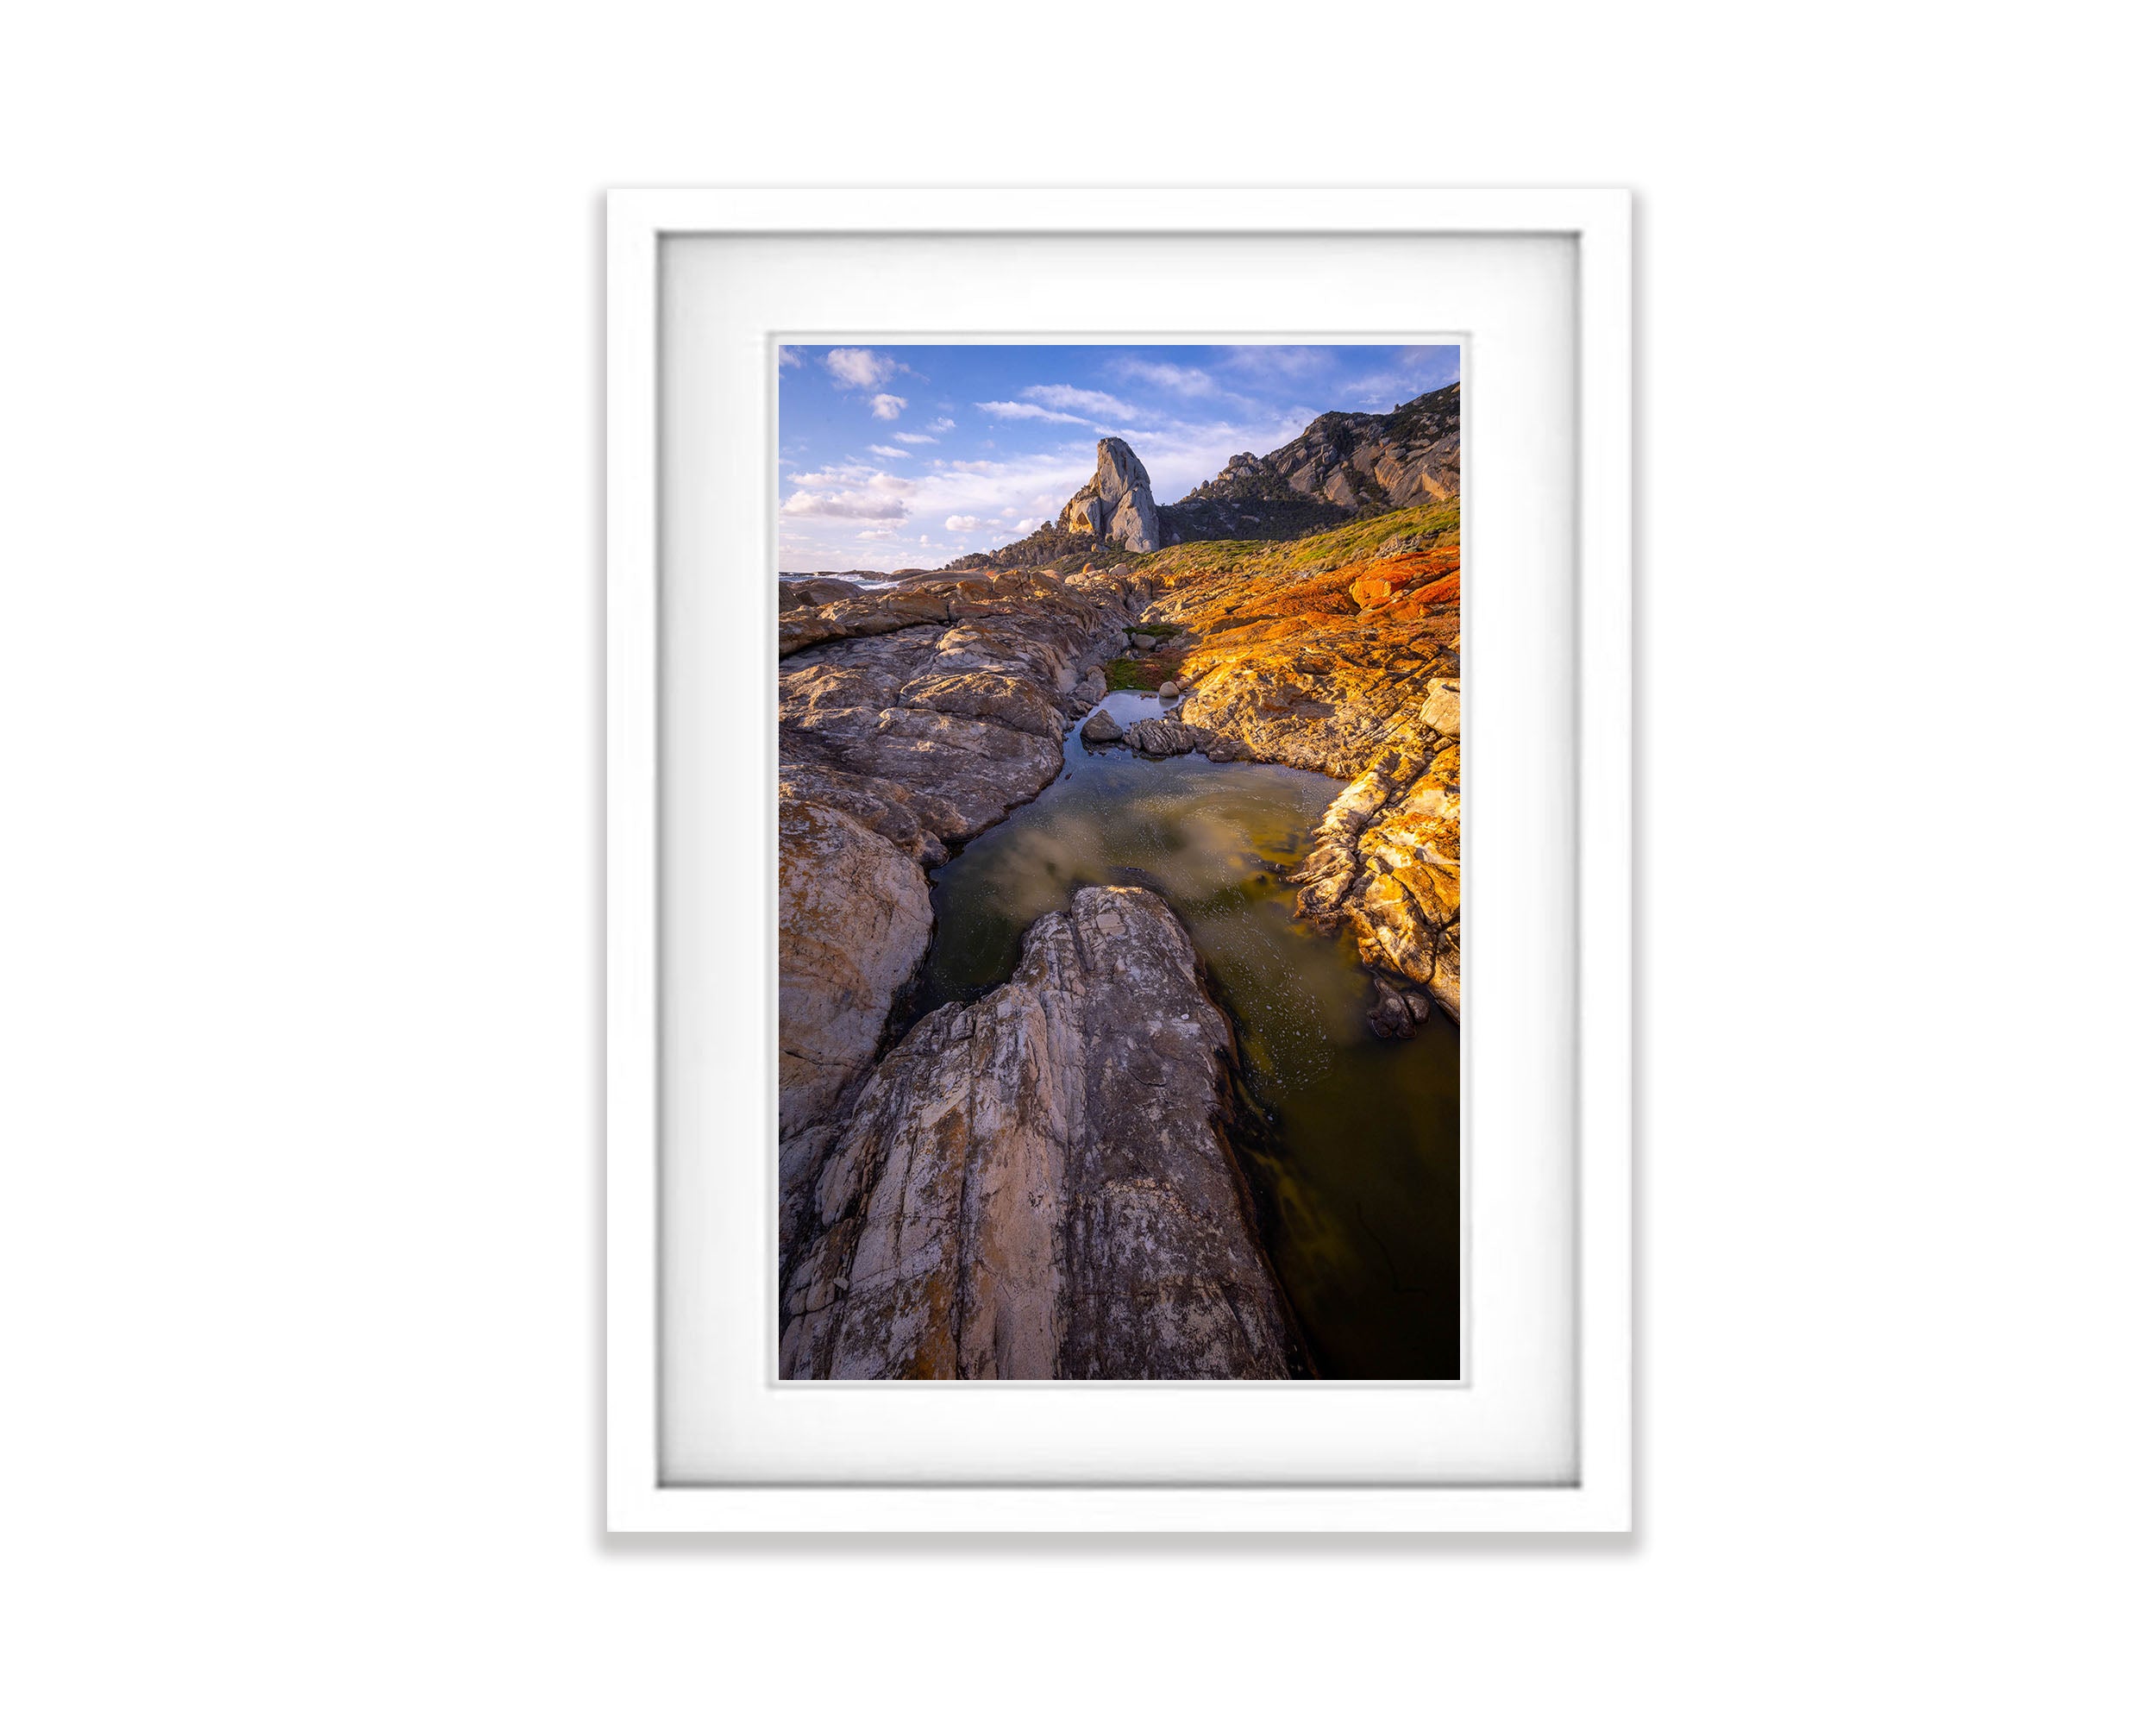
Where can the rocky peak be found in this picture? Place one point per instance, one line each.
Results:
(1117, 503)
(1343, 465)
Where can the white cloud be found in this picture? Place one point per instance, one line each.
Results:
(945, 423)
(1182, 380)
(1180, 455)
(961, 524)
(859, 367)
(1026, 410)
(1289, 363)
(850, 473)
(1024, 525)
(789, 357)
(846, 505)
(1416, 372)
(890, 454)
(914, 436)
(1089, 401)
(876, 533)
(887, 406)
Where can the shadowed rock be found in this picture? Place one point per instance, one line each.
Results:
(1160, 737)
(909, 719)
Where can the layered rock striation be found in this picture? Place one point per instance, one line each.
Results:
(909, 719)
(1038, 1183)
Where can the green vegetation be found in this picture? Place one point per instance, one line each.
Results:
(1144, 674)
(1381, 536)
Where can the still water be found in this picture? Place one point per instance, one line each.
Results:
(1355, 1156)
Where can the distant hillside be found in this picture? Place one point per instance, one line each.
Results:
(1344, 466)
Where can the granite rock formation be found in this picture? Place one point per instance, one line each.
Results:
(1344, 467)
(1342, 657)
(1038, 1183)
(1116, 505)
(909, 719)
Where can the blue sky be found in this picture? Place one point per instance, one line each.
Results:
(906, 456)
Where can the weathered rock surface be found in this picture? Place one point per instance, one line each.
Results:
(909, 719)
(854, 920)
(795, 591)
(1349, 668)
(1117, 503)
(1037, 1184)
(1160, 737)
(1100, 727)
(957, 717)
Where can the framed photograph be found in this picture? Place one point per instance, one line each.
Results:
(1118, 861)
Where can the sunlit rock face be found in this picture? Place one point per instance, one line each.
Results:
(1117, 503)
(1038, 1183)
(1347, 664)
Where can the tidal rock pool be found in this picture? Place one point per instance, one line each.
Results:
(1353, 1146)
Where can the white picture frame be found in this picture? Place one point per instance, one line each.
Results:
(1598, 1497)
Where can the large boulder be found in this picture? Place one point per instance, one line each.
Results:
(838, 973)
(1101, 727)
(814, 590)
(1441, 707)
(1161, 736)
(1038, 1184)
(839, 970)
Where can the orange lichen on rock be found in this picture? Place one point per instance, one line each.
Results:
(1350, 670)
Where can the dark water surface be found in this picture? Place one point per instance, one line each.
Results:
(1355, 1165)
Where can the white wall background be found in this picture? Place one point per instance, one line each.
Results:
(298, 371)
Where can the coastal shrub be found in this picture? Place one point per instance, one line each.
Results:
(1144, 674)
(1394, 533)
